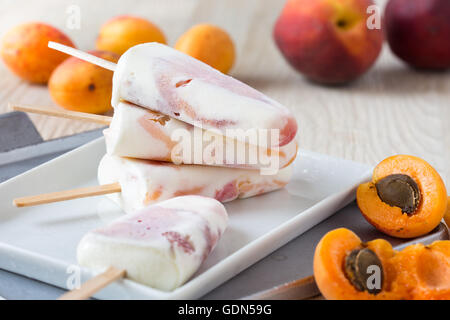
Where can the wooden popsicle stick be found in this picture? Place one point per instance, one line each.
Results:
(106, 120)
(90, 287)
(83, 55)
(67, 195)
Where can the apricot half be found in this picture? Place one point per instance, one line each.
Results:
(406, 197)
(332, 259)
(81, 86)
(416, 272)
(25, 51)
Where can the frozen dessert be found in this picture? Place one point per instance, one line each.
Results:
(162, 245)
(162, 79)
(136, 132)
(144, 182)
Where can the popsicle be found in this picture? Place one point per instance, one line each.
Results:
(162, 245)
(144, 182)
(140, 133)
(162, 79)
(136, 132)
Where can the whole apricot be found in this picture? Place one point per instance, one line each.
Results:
(123, 32)
(26, 53)
(81, 86)
(210, 44)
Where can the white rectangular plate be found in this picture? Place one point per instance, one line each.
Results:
(40, 242)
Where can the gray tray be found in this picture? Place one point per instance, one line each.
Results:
(22, 148)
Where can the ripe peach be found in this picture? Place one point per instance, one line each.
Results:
(328, 40)
(123, 32)
(25, 51)
(210, 44)
(418, 32)
(81, 86)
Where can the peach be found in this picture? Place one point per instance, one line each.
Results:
(210, 44)
(418, 32)
(81, 86)
(24, 50)
(123, 32)
(328, 40)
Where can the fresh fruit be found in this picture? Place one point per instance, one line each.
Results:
(334, 268)
(25, 51)
(81, 86)
(210, 44)
(328, 40)
(342, 262)
(418, 32)
(424, 271)
(406, 197)
(123, 32)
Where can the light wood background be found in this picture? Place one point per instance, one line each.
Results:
(390, 110)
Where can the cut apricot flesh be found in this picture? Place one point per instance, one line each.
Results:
(417, 272)
(395, 220)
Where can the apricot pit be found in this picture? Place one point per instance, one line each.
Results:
(399, 190)
(357, 266)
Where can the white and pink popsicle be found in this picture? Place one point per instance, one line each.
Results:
(139, 133)
(144, 182)
(165, 80)
(161, 246)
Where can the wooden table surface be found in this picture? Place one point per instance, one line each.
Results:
(391, 110)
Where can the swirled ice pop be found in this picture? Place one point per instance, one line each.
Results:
(162, 79)
(162, 245)
(140, 133)
(144, 182)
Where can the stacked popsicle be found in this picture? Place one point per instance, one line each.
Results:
(179, 128)
(205, 133)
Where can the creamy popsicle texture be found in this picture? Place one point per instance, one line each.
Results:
(137, 132)
(165, 80)
(162, 245)
(145, 182)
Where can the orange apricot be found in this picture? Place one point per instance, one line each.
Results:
(81, 86)
(123, 32)
(406, 197)
(331, 261)
(25, 51)
(342, 261)
(209, 44)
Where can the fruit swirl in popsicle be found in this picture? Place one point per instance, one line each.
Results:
(137, 132)
(144, 182)
(161, 246)
(163, 79)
